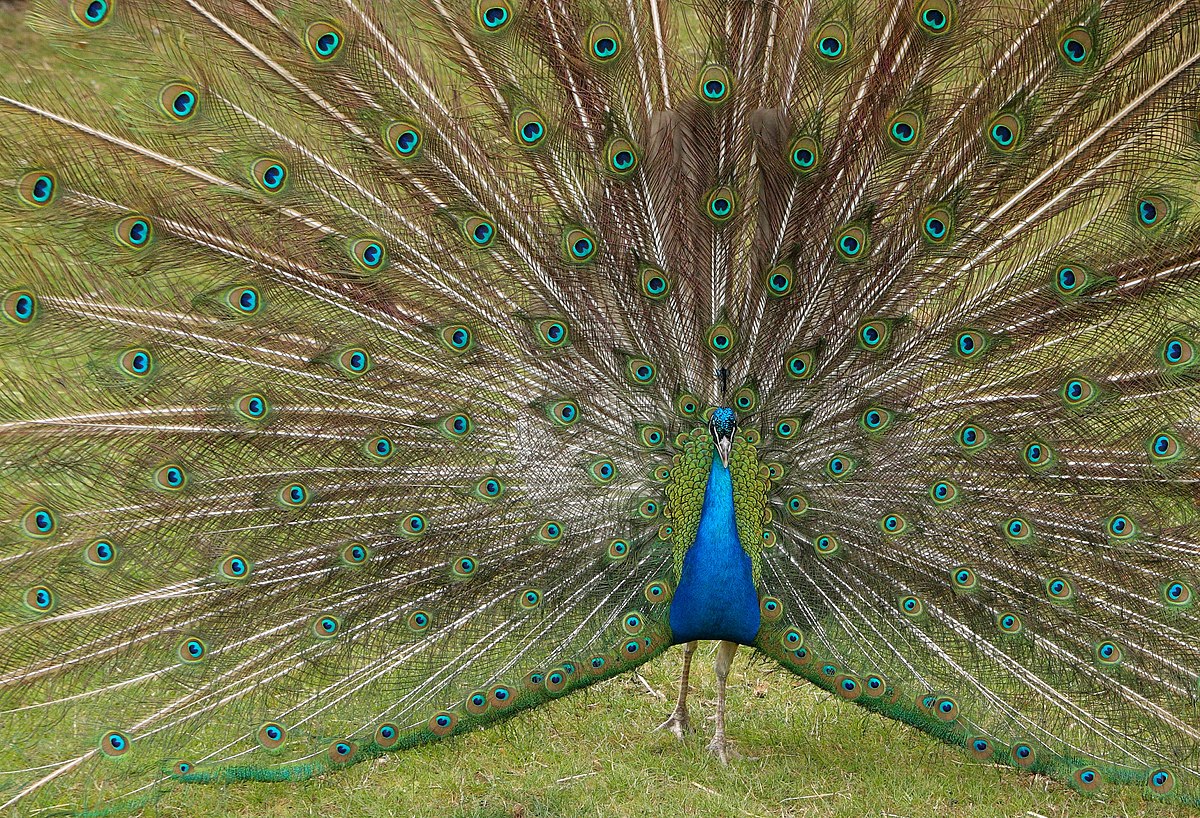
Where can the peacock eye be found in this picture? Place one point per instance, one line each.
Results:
(91, 13)
(622, 156)
(179, 100)
(721, 339)
(602, 471)
(529, 128)
(826, 545)
(1152, 211)
(480, 231)
(579, 245)
(851, 243)
(354, 361)
(404, 139)
(553, 333)
(414, 525)
(721, 204)
(804, 154)
(171, 478)
(493, 15)
(604, 43)
(37, 189)
(235, 567)
(269, 174)
(935, 16)
(832, 42)
(135, 232)
(713, 84)
(904, 129)
(369, 253)
(324, 41)
(641, 371)
(1004, 132)
(294, 495)
(564, 412)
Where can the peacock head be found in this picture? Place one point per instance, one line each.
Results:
(723, 426)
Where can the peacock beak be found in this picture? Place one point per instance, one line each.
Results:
(724, 447)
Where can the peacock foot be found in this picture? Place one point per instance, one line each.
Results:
(679, 724)
(722, 748)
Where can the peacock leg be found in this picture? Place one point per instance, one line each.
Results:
(719, 746)
(678, 723)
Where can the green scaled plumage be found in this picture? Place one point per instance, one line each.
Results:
(359, 362)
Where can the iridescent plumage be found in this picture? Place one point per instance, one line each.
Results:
(376, 371)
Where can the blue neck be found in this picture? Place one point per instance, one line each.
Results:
(716, 598)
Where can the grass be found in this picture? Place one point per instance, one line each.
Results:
(807, 753)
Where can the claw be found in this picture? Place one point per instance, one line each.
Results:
(722, 749)
(679, 724)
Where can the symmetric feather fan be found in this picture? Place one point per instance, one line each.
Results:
(373, 371)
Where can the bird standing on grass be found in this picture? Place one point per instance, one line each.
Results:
(375, 371)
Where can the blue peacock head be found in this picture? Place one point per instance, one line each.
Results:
(723, 426)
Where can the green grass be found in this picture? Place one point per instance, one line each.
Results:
(805, 753)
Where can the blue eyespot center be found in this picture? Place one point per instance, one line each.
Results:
(43, 187)
(407, 142)
(934, 18)
(327, 43)
(139, 231)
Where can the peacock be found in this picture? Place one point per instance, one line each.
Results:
(376, 371)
